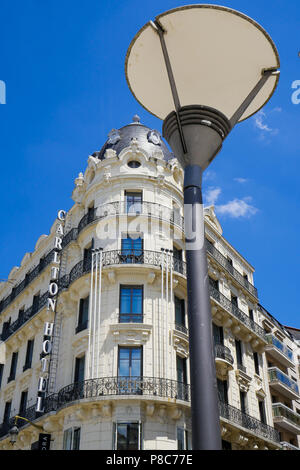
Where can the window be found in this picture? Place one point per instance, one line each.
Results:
(21, 315)
(251, 314)
(71, 439)
(177, 253)
(127, 436)
(243, 402)
(179, 311)
(13, 367)
(183, 439)
(132, 249)
(181, 369)
(91, 212)
(7, 411)
(79, 369)
(214, 283)
(1, 373)
(133, 202)
(256, 362)
(234, 301)
(130, 362)
(218, 334)
(83, 314)
(262, 411)
(29, 353)
(35, 303)
(87, 255)
(23, 403)
(239, 354)
(222, 391)
(134, 164)
(131, 304)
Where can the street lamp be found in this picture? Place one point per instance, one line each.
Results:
(201, 69)
(14, 431)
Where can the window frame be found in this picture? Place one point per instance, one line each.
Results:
(138, 315)
(139, 436)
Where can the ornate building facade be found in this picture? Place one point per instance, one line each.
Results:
(94, 324)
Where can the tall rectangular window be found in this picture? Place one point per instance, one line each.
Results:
(131, 304)
(1, 373)
(218, 334)
(179, 311)
(29, 354)
(130, 362)
(7, 411)
(181, 369)
(239, 354)
(133, 201)
(132, 249)
(83, 314)
(13, 367)
(183, 439)
(222, 391)
(35, 303)
(256, 362)
(79, 369)
(71, 439)
(243, 401)
(23, 403)
(127, 436)
(262, 411)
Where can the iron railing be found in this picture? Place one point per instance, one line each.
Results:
(244, 420)
(223, 352)
(280, 346)
(137, 386)
(236, 312)
(181, 328)
(217, 255)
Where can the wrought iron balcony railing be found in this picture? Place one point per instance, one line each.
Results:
(181, 328)
(236, 312)
(217, 255)
(136, 386)
(276, 375)
(280, 346)
(244, 420)
(223, 352)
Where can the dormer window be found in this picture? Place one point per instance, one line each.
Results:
(134, 164)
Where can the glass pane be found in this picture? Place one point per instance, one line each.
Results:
(125, 300)
(124, 358)
(133, 436)
(136, 362)
(137, 295)
(67, 445)
(121, 437)
(180, 438)
(76, 439)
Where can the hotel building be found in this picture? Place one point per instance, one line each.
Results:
(94, 324)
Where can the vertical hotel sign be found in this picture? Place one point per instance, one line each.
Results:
(51, 308)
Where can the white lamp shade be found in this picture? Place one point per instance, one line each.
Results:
(217, 56)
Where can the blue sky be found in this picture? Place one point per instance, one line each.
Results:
(63, 66)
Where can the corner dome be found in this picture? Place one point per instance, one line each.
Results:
(148, 139)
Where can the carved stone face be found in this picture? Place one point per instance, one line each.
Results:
(114, 136)
(154, 137)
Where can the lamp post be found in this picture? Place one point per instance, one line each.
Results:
(201, 69)
(14, 431)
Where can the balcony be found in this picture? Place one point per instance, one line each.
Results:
(235, 416)
(279, 351)
(224, 361)
(234, 311)
(282, 383)
(217, 255)
(138, 387)
(286, 418)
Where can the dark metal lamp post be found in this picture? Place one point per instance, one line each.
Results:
(201, 69)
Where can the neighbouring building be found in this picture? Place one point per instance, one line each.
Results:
(94, 324)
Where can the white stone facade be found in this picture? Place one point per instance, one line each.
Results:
(155, 405)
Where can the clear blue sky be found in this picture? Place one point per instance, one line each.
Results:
(63, 65)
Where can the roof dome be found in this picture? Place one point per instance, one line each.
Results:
(148, 139)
